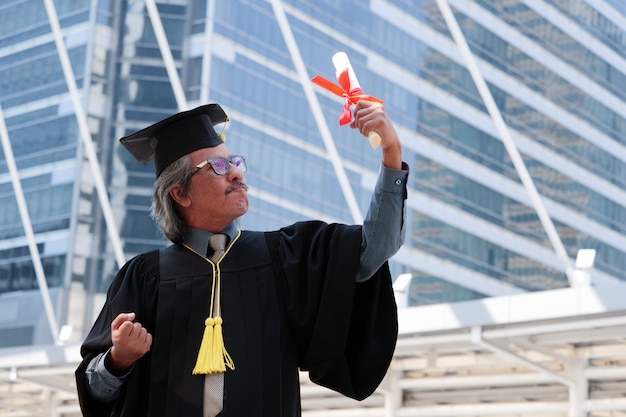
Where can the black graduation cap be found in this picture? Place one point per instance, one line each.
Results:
(178, 135)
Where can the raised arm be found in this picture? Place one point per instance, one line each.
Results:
(384, 224)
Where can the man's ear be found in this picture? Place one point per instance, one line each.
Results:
(177, 194)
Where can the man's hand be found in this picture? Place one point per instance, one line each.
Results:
(371, 116)
(130, 342)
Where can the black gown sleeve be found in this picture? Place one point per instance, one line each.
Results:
(134, 289)
(345, 331)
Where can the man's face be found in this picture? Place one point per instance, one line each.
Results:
(214, 200)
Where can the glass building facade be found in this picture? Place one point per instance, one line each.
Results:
(556, 70)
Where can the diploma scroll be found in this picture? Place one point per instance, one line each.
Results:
(342, 65)
(348, 88)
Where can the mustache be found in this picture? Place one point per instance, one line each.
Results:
(236, 186)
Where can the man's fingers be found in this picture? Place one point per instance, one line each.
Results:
(130, 332)
(145, 338)
(367, 116)
(121, 319)
(128, 328)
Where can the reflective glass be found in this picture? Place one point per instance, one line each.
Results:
(221, 165)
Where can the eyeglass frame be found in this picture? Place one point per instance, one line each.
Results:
(228, 160)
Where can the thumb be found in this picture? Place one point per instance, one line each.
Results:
(121, 319)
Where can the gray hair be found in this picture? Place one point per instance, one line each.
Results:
(163, 209)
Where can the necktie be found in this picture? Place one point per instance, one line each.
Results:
(218, 244)
(214, 383)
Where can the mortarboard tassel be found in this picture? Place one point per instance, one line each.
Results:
(222, 135)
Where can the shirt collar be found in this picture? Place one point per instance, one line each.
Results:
(198, 239)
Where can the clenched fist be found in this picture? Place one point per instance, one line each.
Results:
(130, 342)
(371, 116)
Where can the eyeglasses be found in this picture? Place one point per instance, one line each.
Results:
(220, 165)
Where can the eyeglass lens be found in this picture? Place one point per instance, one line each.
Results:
(220, 165)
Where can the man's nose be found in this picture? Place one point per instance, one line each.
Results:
(235, 171)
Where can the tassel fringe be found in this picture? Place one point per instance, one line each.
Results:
(213, 357)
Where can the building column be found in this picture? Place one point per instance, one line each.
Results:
(393, 393)
(579, 391)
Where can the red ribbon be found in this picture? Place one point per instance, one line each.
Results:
(352, 95)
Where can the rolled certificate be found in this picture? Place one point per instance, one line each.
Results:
(342, 64)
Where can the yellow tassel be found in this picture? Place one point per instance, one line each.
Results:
(220, 358)
(213, 357)
(203, 363)
(222, 135)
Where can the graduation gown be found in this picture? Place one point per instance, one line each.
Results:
(289, 301)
